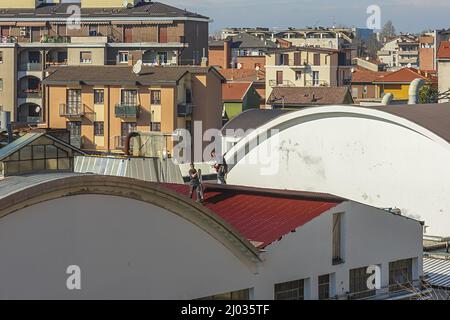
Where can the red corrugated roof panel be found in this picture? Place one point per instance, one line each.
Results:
(263, 216)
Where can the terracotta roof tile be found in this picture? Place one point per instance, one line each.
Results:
(444, 50)
(309, 95)
(406, 75)
(234, 91)
(366, 76)
(243, 74)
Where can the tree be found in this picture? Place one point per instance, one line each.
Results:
(372, 46)
(388, 30)
(428, 94)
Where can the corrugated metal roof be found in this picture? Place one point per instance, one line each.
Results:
(437, 271)
(147, 169)
(259, 215)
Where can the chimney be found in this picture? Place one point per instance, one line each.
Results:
(227, 53)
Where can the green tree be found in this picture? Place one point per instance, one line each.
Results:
(428, 94)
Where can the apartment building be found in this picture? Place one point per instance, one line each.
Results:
(242, 51)
(443, 58)
(307, 67)
(400, 52)
(102, 105)
(36, 35)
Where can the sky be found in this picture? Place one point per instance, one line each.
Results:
(407, 15)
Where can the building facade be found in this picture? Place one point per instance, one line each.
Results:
(400, 52)
(37, 35)
(102, 105)
(443, 59)
(307, 67)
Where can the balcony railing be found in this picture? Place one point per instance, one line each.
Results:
(34, 119)
(127, 111)
(30, 93)
(31, 66)
(55, 39)
(184, 110)
(8, 39)
(71, 110)
(284, 83)
(316, 83)
(56, 63)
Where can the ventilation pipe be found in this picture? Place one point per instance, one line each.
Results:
(5, 124)
(414, 88)
(387, 99)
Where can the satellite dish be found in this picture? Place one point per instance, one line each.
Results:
(137, 68)
(38, 109)
(353, 70)
(409, 65)
(239, 65)
(258, 68)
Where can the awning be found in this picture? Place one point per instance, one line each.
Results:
(32, 24)
(7, 23)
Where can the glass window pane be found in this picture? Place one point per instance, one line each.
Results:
(39, 165)
(38, 152)
(64, 164)
(52, 164)
(26, 166)
(25, 153)
(51, 152)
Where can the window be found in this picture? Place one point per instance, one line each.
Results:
(1, 56)
(127, 128)
(188, 96)
(317, 59)
(99, 128)
(358, 284)
(1, 84)
(34, 57)
(123, 56)
(155, 126)
(337, 238)
(236, 295)
(74, 98)
(298, 75)
(129, 97)
(324, 287)
(93, 30)
(279, 77)
(162, 57)
(400, 274)
(315, 75)
(155, 96)
(99, 96)
(86, 57)
(294, 290)
(74, 128)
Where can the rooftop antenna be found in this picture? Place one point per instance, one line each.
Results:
(137, 68)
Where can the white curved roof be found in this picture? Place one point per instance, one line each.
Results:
(363, 154)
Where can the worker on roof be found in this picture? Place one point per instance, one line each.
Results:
(195, 183)
(221, 167)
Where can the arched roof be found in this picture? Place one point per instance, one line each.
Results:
(20, 192)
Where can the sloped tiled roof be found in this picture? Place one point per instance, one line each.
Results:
(309, 95)
(235, 91)
(366, 76)
(61, 10)
(444, 50)
(243, 74)
(406, 75)
(249, 41)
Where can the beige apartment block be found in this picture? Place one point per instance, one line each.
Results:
(306, 67)
(112, 32)
(102, 105)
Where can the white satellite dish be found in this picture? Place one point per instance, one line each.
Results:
(409, 65)
(137, 68)
(239, 65)
(38, 109)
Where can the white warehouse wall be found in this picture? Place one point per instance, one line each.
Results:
(360, 154)
(131, 249)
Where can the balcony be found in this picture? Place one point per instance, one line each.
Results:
(184, 110)
(8, 39)
(284, 83)
(31, 66)
(316, 83)
(127, 111)
(56, 63)
(30, 93)
(55, 39)
(71, 110)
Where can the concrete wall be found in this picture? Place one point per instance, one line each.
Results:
(367, 156)
(128, 249)
(444, 78)
(8, 72)
(98, 56)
